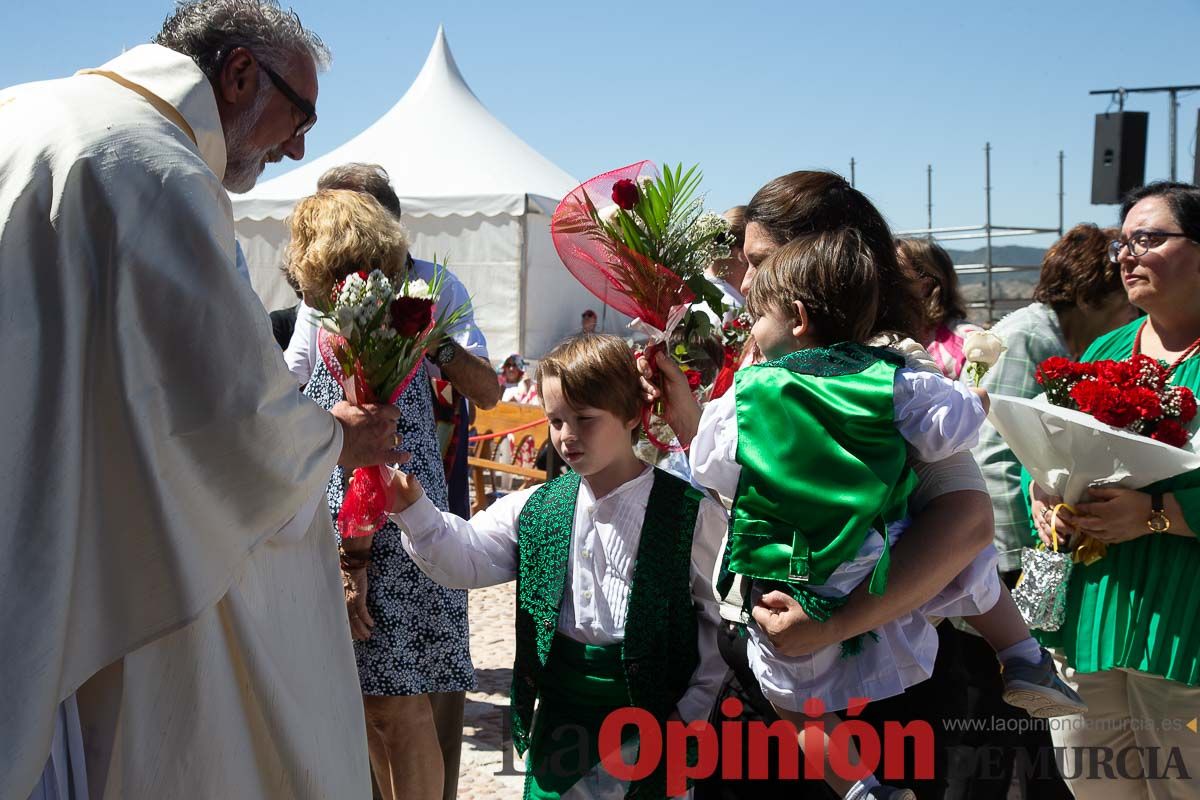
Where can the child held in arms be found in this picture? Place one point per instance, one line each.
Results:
(814, 445)
(613, 563)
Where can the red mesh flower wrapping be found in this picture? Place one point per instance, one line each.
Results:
(620, 278)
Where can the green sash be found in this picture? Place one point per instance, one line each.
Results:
(580, 686)
(659, 653)
(822, 463)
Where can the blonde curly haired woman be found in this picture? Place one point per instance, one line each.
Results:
(411, 641)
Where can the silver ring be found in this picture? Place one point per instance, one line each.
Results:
(1045, 515)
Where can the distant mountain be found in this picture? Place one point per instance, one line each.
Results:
(1009, 290)
(1006, 255)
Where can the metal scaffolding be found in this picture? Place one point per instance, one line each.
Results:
(987, 231)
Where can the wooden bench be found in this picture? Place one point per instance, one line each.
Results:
(484, 467)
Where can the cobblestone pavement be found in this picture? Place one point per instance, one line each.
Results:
(492, 648)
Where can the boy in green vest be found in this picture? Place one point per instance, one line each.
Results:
(613, 563)
(813, 445)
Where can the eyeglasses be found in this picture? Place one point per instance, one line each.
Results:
(1140, 243)
(306, 108)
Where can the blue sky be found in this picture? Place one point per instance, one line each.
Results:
(749, 90)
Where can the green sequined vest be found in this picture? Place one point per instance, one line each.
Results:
(822, 463)
(659, 653)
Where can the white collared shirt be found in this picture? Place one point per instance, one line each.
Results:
(604, 544)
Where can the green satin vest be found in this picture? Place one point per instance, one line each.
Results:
(659, 652)
(822, 463)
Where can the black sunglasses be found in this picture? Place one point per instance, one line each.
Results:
(306, 108)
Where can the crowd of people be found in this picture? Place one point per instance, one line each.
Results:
(832, 548)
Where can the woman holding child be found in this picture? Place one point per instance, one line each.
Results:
(951, 515)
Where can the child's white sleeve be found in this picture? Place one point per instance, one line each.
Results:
(697, 701)
(713, 453)
(462, 554)
(937, 416)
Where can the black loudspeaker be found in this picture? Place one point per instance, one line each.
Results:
(1119, 156)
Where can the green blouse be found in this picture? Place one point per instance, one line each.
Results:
(1139, 606)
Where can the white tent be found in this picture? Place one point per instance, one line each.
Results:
(473, 193)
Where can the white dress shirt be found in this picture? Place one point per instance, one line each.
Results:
(604, 544)
(302, 353)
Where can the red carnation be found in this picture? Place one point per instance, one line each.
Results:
(1088, 396)
(411, 315)
(1105, 402)
(1182, 397)
(1148, 372)
(693, 379)
(1056, 368)
(1115, 372)
(362, 273)
(1145, 402)
(1170, 432)
(625, 194)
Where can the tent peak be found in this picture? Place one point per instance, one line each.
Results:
(440, 66)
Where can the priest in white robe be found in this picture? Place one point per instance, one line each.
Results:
(169, 565)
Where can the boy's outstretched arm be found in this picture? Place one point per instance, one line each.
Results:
(458, 553)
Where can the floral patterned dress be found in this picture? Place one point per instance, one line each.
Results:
(420, 640)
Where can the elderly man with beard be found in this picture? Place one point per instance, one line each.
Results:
(173, 621)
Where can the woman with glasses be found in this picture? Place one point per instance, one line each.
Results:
(1132, 631)
(945, 326)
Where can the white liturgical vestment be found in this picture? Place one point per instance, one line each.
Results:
(167, 557)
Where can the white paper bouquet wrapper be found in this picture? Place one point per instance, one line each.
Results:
(1066, 451)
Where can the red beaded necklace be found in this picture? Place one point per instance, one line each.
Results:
(1184, 356)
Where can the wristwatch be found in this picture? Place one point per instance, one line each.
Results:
(445, 352)
(1159, 522)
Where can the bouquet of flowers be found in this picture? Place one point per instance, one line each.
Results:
(1115, 423)
(1132, 395)
(640, 242)
(372, 339)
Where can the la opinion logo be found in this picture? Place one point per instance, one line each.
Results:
(757, 735)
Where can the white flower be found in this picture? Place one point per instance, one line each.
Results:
(983, 347)
(345, 321)
(418, 288)
(609, 213)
